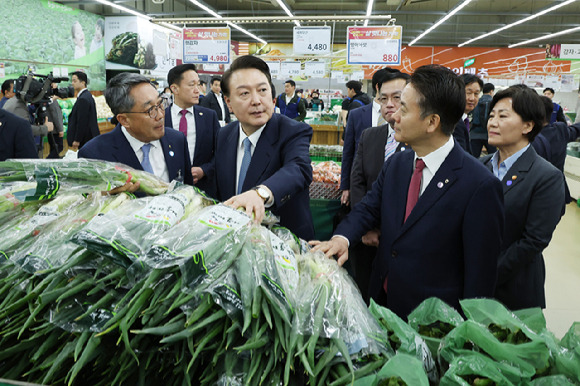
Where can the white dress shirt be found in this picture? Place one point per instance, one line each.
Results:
(156, 157)
(376, 113)
(433, 162)
(191, 129)
(220, 101)
(254, 138)
(289, 98)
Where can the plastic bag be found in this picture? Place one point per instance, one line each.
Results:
(464, 369)
(552, 380)
(566, 354)
(533, 318)
(406, 367)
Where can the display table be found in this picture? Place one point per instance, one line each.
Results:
(105, 126)
(323, 212)
(572, 174)
(326, 134)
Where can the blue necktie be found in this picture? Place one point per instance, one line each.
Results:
(245, 163)
(146, 163)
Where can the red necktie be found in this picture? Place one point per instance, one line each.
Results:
(183, 122)
(414, 187)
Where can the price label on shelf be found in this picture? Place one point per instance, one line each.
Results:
(570, 51)
(274, 69)
(206, 45)
(311, 40)
(290, 68)
(315, 69)
(374, 45)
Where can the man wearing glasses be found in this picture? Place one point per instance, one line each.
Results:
(140, 140)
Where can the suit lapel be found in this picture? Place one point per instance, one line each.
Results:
(200, 133)
(262, 153)
(168, 121)
(517, 173)
(229, 177)
(173, 170)
(123, 151)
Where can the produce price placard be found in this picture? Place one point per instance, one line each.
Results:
(570, 51)
(206, 45)
(274, 69)
(374, 45)
(290, 68)
(311, 40)
(315, 69)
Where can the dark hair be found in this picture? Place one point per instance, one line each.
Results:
(6, 85)
(550, 89)
(202, 82)
(216, 78)
(470, 78)
(527, 104)
(389, 74)
(440, 92)
(118, 91)
(354, 85)
(487, 88)
(548, 107)
(291, 82)
(242, 63)
(81, 76)
(175, 75)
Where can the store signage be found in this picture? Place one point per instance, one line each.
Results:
(311, 40)
(206, 45)
(338, 75)
(357, 75)
(468, 62)
(315, 69)
(570, 51)
(274, 69)
(374, 45)
(290, 68)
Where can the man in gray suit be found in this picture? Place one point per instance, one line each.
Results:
(375, 146)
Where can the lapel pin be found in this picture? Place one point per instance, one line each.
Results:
(446, 181)
(200, 113)
(403, 148)
(440, 184)
(171, 153)
(514, 177)
(508, 183)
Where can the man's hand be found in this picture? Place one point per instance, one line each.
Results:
(251, 201)
(61, 134)
(335, 246)
(345, 199)
(75, 145)
(197, 173)
(371, 238)
(130, 187)
(49, 125)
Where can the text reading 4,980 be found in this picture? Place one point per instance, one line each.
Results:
(218, 58)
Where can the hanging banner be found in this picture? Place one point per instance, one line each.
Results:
(274, 69)
(289, 69)
(206, 45)
(568, 83)
(374, 45)
(553, 81)
(311, 40)
(315, 69)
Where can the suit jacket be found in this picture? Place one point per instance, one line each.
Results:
(533, 192)
(16, 139)
(461, 136)
(448, 246)
(82, 121)
(210, 101)
(358, 120)
(19, 108)
(114, 147)
(369, 160)
(206, 129)
(280, 161)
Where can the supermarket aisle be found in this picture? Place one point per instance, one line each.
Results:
(562, 259)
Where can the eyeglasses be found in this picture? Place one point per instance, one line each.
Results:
(152, 111)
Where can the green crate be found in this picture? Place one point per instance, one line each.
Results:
(323, 212)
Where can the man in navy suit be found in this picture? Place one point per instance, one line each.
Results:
(262, 160)
(82, 122)
(199, 124)
(16, 140)
(473, 86)
(215, 100)
(440, 213)
(140, 140)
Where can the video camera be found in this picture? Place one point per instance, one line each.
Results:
(29, 89)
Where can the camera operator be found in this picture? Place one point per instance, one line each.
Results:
(54, 114)
(19, 108)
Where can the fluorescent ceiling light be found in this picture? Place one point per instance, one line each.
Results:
(538, 14)
(565, 32)
(283, 6)
(369, 11)
(442, 20)
(215, 14)
(170, 26)
(124, 9)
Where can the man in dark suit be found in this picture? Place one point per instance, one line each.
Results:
(263, 158)
(473, 86)
(16, 140)
(215, 100)
(439, 211)
(82, 121)
(140, 140)
(199, 124)
(376, 145)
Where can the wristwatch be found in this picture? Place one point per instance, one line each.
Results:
(263, 193)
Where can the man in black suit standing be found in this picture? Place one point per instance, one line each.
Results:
(16, 139)
(376, 145)
(215, 100)
(473, 86)
(82, 122)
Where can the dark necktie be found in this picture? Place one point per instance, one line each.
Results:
(183, 122)
(466, 120)
(146, 163)
(414, 187)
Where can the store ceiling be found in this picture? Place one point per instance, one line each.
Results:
(478, 17)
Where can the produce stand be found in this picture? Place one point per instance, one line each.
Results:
(572, 169)
(325, 188)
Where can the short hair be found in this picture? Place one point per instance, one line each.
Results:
(215, 78)
(175, 75)
(292, 83)
(81, 76)
(389, 74)
(6, 85)
(118, 91)
(550, 89)
(470, 78)
(354, 85)
(527, 104)
(548, 107)
(101, 24)
(202, 82)
(243, 63)
(440, 92)
(487, 88)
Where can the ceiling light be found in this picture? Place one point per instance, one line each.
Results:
(283, 6)
(369, 11)
(442, 20)
(170, 26)
(567, 31)
(124, 9)
(247, 32)
(518, 22)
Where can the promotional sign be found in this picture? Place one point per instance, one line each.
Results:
(315, 69)
(357, 75)
(290, 68)
(553, 81)
(274, 69)
(568, 83)
(206, 45)
(312, 40)
(570, 51)
(374, 45)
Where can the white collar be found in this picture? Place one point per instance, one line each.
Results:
(254, 137)
(135, 143)
(434, 159)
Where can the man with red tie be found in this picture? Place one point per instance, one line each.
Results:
(440, 214)
(199, 124)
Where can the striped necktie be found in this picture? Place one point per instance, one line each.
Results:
(391, 146)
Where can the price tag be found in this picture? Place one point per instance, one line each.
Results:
(338, 75)
(315, 69)
(312, 40)
(570, 51)
(357, 75)
(290, 69)
(374, 45)
(206, 45)
(274, 69)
